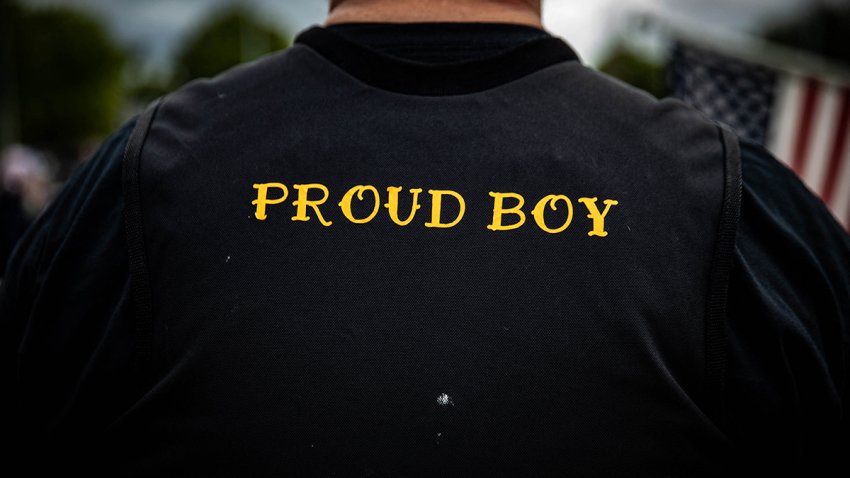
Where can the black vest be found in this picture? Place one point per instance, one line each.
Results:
(518, 274)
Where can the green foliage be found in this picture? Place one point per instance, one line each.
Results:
(229, 37)
(9, 14)
(145, 88)
(67, 78)
(628, 66)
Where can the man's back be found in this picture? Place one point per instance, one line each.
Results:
(295, 311)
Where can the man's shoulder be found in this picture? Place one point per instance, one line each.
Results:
(772, 187)
(93, 189)
(278, 72)
(791, 253)
(242, 98)
(626, 113)
(789, 310)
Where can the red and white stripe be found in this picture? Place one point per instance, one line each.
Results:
(810, 132)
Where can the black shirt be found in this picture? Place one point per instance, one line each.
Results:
(788, 307)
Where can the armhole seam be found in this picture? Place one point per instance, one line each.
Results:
(134, 229)
(721, 266)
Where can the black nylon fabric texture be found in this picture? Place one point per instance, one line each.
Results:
(414, 350)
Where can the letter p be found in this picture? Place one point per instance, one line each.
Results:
(262, 198)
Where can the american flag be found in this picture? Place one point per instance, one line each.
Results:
(804, 120)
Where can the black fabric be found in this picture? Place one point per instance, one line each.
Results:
(786, 370)
(134, 226)
(67, 322)
(789, 307)
(715, 321)
(435, 42)
(15, 223)
(383, 68)
(366, 326)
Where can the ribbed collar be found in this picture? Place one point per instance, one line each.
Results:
(402, 75)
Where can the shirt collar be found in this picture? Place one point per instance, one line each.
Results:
(401, 75)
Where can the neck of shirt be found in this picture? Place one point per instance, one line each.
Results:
(436, 58)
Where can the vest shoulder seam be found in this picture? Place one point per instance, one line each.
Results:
(721, 266)
(134, 229)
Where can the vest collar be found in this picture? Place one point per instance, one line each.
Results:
(406, 76)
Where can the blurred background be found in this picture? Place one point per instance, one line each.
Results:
(72, 71)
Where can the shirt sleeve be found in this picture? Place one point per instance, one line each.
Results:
(65, 330)
(788, 318)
